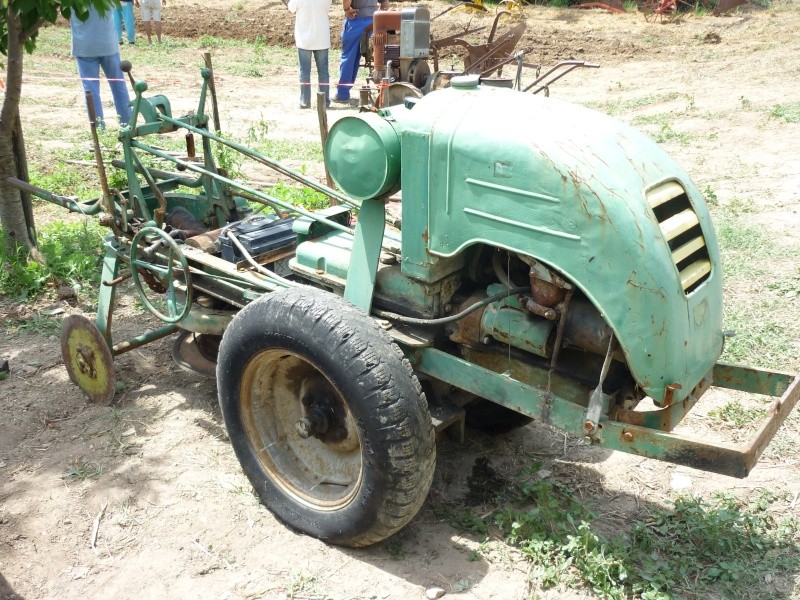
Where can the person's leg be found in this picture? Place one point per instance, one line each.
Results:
(147, 18)
(119, 88)
(130, 22)
(351, 53)
(157, 18)
(321, 59)
(89, 72)
(116, 12)
(304, 57)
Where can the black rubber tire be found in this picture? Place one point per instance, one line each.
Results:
(492, 418)
(308, 335)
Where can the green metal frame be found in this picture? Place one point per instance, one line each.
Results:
(634, 439)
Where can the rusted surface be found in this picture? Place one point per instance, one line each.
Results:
(542, 311)
(658, 10)
(485, 59)
(190, 150)
(88, 359)
(383, 21)
(468, 329)
(777, 413)
(204, 241)
(544, 292)
(586, 329)
(751, 379)
(664, 419)
(669, 392)
(700, 454)
(181, 219)
(118, 280)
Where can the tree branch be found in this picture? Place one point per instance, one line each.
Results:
(31, 31)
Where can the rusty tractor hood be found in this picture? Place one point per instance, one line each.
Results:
(583, 193)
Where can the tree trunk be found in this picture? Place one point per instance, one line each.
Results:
(12, 211)
(21, 156)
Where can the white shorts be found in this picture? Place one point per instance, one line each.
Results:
(151, 10)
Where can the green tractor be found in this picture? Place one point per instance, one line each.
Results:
(548, 263)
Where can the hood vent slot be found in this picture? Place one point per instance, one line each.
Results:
(681, 229)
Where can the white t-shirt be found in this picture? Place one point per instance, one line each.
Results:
(312, 29)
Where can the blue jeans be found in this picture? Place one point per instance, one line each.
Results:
(351, 54)
(321, 58)
(124, 14)
(89, 71)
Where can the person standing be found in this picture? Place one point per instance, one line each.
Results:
(151, 15)
(123, 15)
(312, 36)
(358, 15)
(94, 46)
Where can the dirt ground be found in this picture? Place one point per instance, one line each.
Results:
(154, 478)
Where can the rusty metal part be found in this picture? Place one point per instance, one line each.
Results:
(440, 44)
(396, 93)
(153, 282)
(206, 242)
(669, 392)
(586, 329)
(487, 58)
(124, 277)
(189, 354)
(190, 150)
(663, 419)
(658, 9)
(542, 311)
(183, 220)
(564, 309)
(108, 202)
(468, 330)
(735, 461)
(88, 359)
(581, 327)
(383, 22)
(545, 293)
(418, 72)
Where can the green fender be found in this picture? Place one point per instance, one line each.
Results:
(572, 188)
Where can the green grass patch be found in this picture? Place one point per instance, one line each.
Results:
(290, 149)
(72, 254)
(788, 113)
(737, 415)
(619, 106)
(750, 253)
(300, 196)
(718, 548)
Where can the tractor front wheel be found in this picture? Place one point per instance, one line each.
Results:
(326, 416)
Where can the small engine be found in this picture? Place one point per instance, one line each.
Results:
(402, 46)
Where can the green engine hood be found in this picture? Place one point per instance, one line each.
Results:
(574, 189)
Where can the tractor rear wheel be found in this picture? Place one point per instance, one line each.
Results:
(326, 416)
